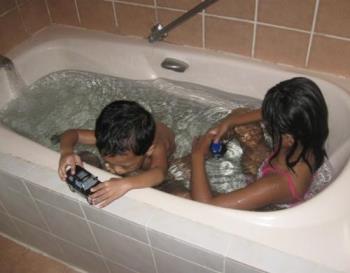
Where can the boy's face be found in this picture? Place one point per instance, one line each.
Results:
(124, 164)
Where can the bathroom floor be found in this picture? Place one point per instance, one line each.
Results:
(15, 258)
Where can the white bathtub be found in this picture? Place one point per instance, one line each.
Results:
(148, 230)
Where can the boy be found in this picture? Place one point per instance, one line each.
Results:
(130, 142)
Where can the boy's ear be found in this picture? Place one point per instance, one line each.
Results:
(150, 150)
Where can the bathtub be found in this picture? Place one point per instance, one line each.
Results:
(148, 230)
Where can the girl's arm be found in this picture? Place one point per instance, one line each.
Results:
(234, 119)
(200, 188)
(268, 190)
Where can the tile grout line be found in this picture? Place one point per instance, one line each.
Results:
(26, 245)
(132, 4)
(57, 238)
(8, 11)
(346, 39)
(194, 245)
(48, 11)
(21, 17)
(255, 28)
(236, 19)
(7, 213)
(226, 254)
(150, 243)
(204, 12)
(114, 6)
(185, 260)
(97, 224)
(77, 11)
(36, 206)
(94, 238)
(156, 11)
(40, 252)
(40, 213)
(313, 26)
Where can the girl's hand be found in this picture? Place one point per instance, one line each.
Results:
(68, 160)
(220, 130)
(106, 192)
(200, 145)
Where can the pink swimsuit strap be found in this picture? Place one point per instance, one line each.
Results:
(267, 169)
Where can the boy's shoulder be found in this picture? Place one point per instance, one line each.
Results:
(162, 128)
(164, 136)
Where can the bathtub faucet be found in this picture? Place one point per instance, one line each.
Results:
(6, 63)
(158, 32)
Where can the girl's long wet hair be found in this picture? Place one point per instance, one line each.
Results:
(297, 107)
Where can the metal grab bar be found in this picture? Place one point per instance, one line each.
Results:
(158, 32)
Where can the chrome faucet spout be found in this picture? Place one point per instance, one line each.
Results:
(6, 63)
(158, 32)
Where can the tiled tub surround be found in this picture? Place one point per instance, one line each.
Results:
(314, 34)
(148, 230)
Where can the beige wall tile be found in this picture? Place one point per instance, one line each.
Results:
(12, 31)
(291, 13)
(178, 4)
(272, 44)
(227, 35)
(63, 12)
(334, 17)
(135, 20)
(244, 9)
(97, 14)
(6, 5)
(21, 2)
(145, 2)
(330, 55)
(281, 46)
(35, 15)
(188, 33)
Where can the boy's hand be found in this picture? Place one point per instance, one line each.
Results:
(106, 192)
(69, 160)
(200, 145)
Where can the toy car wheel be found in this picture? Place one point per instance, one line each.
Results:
(71, 188)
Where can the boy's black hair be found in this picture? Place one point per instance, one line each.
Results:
(124, 126)
(297, 107)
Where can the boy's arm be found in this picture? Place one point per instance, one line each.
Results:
(158, 167)
(73, 136)
(145, 179)
(108, 191)
(67, 142)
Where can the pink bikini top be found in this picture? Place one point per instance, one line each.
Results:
(267, 169)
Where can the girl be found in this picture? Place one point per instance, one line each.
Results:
(295, 114)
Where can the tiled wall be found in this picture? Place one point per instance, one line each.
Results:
(305, 33)
(37, 211)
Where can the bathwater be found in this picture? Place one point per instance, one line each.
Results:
(73, 99)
